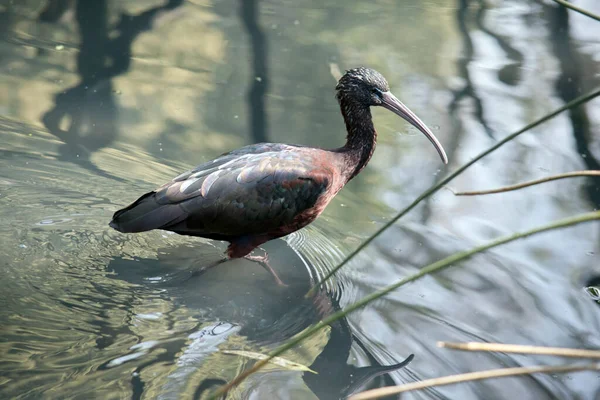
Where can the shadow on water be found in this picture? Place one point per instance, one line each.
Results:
(89, 108)
(229, 303)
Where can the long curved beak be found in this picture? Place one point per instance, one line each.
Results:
(394, 105)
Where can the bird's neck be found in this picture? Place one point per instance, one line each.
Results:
(361, 139)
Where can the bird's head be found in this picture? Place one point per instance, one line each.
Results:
(368, 87)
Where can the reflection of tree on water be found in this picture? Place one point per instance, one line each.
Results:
(260, 76)
(510, 74)
(462, 13)
(571, 84)
(89, 107)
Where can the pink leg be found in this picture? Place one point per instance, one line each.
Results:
(243, 248)
(264, 262)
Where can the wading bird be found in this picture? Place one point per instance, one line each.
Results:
(268, 190)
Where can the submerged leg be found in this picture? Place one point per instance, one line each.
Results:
(204, 269)
(264, 262)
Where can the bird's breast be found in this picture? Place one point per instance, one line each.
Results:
(310, 214)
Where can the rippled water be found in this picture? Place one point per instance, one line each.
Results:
(99, 105)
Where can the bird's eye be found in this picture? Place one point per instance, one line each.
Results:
(376, 91)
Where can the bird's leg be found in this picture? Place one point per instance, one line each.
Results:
(264, 262)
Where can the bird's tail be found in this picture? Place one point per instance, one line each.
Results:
(146, 214)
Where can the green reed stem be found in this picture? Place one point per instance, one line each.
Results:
(578, 9)
(431, 268)
(574, 103)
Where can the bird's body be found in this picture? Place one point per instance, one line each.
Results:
(246, 197)
(268, 190)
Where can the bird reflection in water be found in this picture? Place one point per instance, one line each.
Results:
(241, 313)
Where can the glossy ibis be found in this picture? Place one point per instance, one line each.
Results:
(268, 190)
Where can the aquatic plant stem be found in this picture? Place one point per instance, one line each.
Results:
(431, 268)
(577, 9)
(472, 376)
(528, 183)
(574, 103)
(522, 349)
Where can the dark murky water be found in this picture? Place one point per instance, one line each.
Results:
(105, 101)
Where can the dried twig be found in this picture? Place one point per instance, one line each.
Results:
(528, 183)
(516, 348)
(472, 376)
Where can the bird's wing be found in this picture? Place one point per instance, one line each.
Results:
(226, 158)
(246, 192)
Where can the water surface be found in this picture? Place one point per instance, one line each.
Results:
(102, 103)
